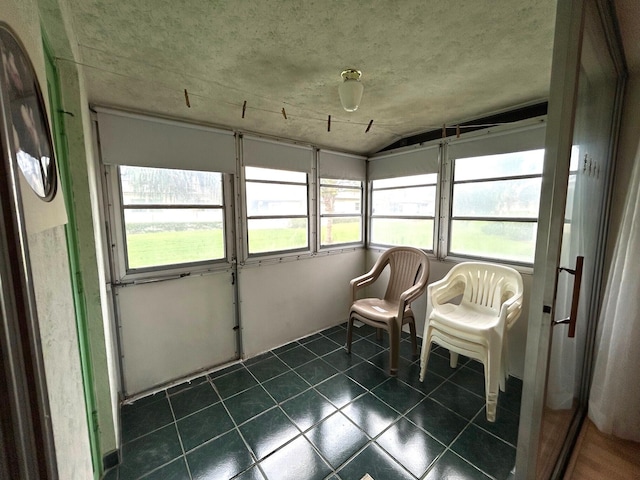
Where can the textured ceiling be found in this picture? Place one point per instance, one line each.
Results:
(424, 63)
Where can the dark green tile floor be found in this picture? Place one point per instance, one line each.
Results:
(308, 410)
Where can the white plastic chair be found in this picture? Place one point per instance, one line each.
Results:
(476, 327)
(408, 276)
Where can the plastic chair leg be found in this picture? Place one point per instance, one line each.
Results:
(394, 341)
(349, 333)
(424, 355)
(453, 359)
(492, 381)
(414, 338)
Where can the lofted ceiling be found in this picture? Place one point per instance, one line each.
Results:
(423, 63)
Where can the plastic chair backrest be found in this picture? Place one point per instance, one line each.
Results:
(408, 267)
(488, 285)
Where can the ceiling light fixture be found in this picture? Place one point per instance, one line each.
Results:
(351, 89)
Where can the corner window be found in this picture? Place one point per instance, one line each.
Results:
(277, 210)
(171, 217)
(494, 209)
(403, 210)
(340, 212)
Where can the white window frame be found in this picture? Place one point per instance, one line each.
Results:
(527, 135)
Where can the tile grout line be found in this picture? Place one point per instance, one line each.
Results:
(237, 428)
(175, 422)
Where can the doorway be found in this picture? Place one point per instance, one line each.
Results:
(583, 113)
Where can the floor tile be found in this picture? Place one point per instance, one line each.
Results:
(440, 365)
(370, 414)
(111, 474)
(490, 454)
(307, 464)
(308, 409)
(258, 358)
(194, 399)
(469, 379)
(221, 458)
(310, 338)
(452, 466)
(367, 375)
(340, 390)
(363, 330)
(316, 371)
(337, 328)
(406, 350)
(252, 474)
(438, 421)
(411, 376)
(285, 386)
(285, 347)
(505, 426)
(322, 346)
(268, 432)
(342, 360)
(224, 371)
(149, 452)
(176, 470)
(248, 404)
(234, 382)
(377, 463)
(204, 425)
(382, 360)
(410, 446)
(297, 356)
(140, 418)
(398, 395)
(510, 399)
(476, 366)
(187, 385)
(366, 349)
(339, 336)
(269, 368)
(458, 399)
(337, 439)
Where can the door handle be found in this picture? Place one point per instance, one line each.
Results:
(571, 320)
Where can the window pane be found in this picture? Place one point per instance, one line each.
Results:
(340, 230)
(269, 235)
(266, 199)
(341, 182)
(500, 240)
(503, 198)
(426, 179)
(270, 174)
(497, 166)
(418, 201)
(172, 236)
(395, 231)
(338, 200)
(162, 186)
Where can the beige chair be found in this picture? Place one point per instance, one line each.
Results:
(475, 325)
(408, 275)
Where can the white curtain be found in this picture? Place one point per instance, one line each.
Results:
(614, 404)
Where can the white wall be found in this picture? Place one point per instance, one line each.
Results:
(54, 301)
(284, 301)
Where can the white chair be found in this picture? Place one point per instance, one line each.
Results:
(408, 276)
(477, 326)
